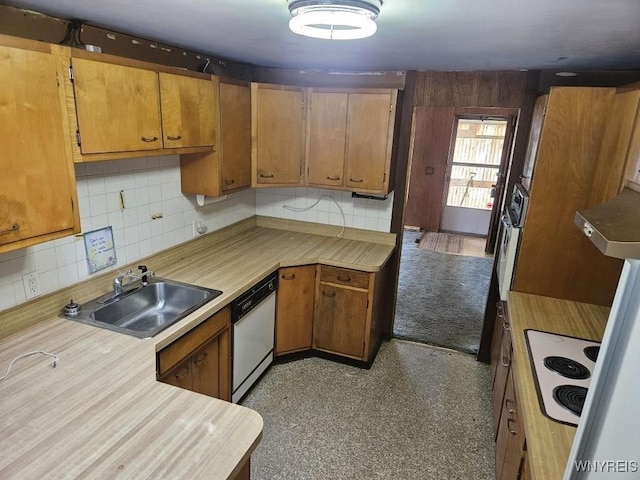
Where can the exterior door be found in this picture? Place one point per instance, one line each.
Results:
(475, 174)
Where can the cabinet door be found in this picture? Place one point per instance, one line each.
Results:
(189, 111)
(205, 369)
(294, 313)
(510, 440)
(180, 375)
(340, 319)
(369, 139)
(326, 137)
(36, 183)
(537, 119)
(502, 372)
(277, 125)
(235, 132)
(118, 107)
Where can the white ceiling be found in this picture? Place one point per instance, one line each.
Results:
(412, 34)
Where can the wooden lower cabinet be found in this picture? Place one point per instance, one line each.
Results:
(502, 367)
(510, 443)
(340, 320)
(200, 360)
(294, 319)
(346, 321)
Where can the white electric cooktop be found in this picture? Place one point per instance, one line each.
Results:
(562, 370)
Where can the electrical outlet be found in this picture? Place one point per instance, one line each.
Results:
(31, 283)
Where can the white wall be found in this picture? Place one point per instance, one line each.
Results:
(151, 186)
(358, 212)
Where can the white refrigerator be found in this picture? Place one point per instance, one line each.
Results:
(607, 441)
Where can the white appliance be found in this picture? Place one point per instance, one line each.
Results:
(607, 441)
(562, 367)
(511, 228)
(253, 317)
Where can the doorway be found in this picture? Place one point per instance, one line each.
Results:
(475, 173)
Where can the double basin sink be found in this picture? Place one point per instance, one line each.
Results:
(143, 311)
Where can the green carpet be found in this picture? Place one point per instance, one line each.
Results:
(441, 297)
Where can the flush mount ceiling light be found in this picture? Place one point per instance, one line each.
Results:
(334, 19)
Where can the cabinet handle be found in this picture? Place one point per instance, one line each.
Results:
(174, 137)
(149, 139)
(506, 326)
(229, 182)
(288, 276)
(262, 175)
(507, 401)
(200, 358)
(505, 361)
(355, 181)
(182, 373)
(500, 309)
(511, 430)
(13, 228)
(344, 279)
(329, 294)
(333, 179)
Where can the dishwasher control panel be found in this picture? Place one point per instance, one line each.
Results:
(251, 298)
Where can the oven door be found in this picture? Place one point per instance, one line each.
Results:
(507, 255)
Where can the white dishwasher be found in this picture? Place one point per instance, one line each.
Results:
(253, 317)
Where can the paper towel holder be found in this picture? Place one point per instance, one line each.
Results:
(203, 200)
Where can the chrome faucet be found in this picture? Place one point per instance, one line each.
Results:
(143, 277)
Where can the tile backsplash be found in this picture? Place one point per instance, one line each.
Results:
(358, 212)
(151, 187)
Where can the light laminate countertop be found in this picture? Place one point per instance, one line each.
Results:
(548, 442)
(101, 413)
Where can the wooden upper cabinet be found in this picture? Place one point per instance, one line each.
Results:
(277, 125)
(633, 156)
(189, 111)
(326, 138)
(37, 184)
(537, 120)
(235, 135)
(118, 107)
(369, 140)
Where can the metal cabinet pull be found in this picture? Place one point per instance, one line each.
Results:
(182, 373)
(333, 179)
(507, 401)
(149, 139)
(201, 358)
(356, 181)
(511, 430)
(344, 279)
(13, 228)
(174, 137)
(506, 326)
(229, 182)
(329, 294)
(262, 175)
(505, 361)
(288, 276)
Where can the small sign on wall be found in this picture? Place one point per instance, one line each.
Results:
(100, 249)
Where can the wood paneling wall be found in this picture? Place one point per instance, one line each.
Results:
(439, 97)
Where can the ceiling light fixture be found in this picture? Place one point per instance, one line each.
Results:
(334, 19)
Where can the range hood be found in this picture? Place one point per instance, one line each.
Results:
(614, 226)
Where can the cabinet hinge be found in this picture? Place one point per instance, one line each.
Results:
(544, 111)
(73, 208)
(367, 303)
(384, 176)
(78, 139)
(70, 73)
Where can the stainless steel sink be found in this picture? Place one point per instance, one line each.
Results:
(144, 311)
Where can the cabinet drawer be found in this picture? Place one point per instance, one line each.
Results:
(343, 276)
(185, 345)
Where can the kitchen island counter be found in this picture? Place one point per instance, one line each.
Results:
(548, 442)
(101, 413)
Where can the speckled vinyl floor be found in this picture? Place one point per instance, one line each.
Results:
(419, 413)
